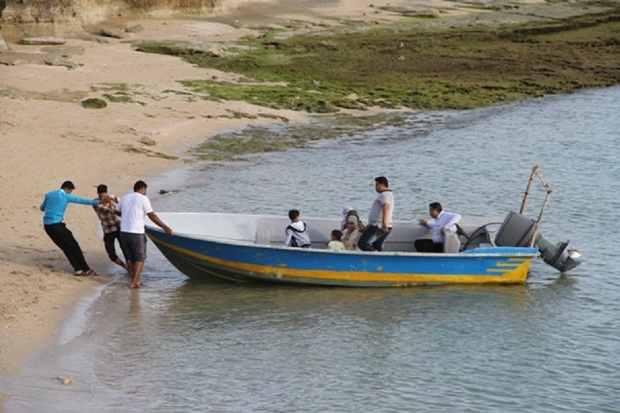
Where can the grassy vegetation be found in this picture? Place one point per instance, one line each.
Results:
(413, 67)
(94, 103)
(233, 146)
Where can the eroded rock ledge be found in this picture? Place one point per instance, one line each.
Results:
(85, 11)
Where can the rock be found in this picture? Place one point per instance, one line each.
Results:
(59, 61)
(115, 33)
(134, 29)
(3, 45)
(434, 13)
(38, 41)
(64, 380)
(94, 103)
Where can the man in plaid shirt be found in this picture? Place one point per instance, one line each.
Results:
(110, 223)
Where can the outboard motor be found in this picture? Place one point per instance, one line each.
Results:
(518, 230)
(557, 255)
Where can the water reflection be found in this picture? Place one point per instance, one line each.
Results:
(230, 306)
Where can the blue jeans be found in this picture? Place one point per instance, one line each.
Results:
(373, 238)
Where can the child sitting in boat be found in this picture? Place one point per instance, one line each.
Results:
(296, 234)
(335, 244)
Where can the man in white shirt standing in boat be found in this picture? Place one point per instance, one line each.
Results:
(379, 218)
(441, 223)
(133, 208)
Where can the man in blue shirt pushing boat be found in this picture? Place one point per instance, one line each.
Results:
(54, 206)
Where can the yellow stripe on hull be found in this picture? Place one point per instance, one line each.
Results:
(513, 272)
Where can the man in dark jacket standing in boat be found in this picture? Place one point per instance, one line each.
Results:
(379, 218)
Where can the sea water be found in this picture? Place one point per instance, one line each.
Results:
(551, 345)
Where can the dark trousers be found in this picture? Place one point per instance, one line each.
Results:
(373, 238)
(63, 238)
(427, 245)
(110, 248)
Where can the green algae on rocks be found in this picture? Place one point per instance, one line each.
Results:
(236, 146)
(407, 65)
(94, 103)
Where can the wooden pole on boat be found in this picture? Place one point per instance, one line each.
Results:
(527, 189)
(548, 188)
(536, 172)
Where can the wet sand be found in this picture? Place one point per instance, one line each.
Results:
(47, 137)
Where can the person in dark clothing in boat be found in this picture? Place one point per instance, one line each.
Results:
(296, 234)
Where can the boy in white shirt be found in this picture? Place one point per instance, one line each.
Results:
(296, 234)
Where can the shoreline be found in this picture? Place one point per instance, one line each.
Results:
(51, 138)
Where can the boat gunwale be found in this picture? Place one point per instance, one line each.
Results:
(476, 252)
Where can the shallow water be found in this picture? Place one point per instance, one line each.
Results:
(551, 345)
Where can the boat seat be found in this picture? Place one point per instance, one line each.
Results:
(263, 237)
(452, 243)
(264, 229)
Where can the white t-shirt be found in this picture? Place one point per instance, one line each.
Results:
(375, 217)
(133, 208)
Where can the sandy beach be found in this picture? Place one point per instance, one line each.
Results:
(47, 137)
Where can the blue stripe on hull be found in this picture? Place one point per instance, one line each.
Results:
(249, 262)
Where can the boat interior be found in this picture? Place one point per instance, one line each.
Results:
(270, 230)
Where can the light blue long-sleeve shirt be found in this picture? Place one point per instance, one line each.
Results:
(55, 204)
